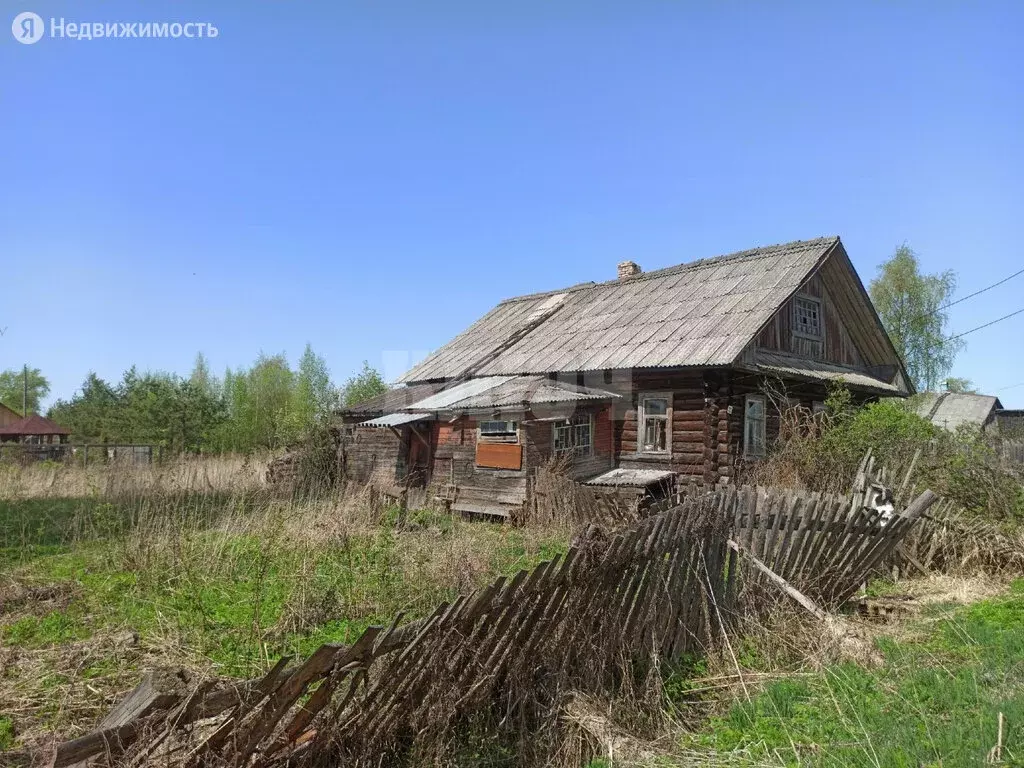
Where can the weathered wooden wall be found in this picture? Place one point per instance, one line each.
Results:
(836, 347)
(369, 453)
(687, 417)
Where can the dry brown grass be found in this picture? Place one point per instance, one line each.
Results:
(191, 474)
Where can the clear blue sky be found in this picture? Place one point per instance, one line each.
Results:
(371, 177)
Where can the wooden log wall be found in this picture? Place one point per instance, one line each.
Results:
(370, 453)
(688, 420)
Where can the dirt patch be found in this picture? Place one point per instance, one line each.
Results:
(961, 590)
(19, 597)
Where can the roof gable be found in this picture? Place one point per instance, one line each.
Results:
(700, 313)
(8, 415)
(853, 341)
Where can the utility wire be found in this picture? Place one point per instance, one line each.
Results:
(972, 295)
(986, 325)
(1012, 386)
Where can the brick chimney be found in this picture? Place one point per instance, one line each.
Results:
(628, 269)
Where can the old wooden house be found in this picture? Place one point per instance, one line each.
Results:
(676, 373)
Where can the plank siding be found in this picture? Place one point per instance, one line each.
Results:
(837, 346)
(369, 454)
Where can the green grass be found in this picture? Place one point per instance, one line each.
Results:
(33, 527)
(6, 733)
(221, 583)
(934, 702)
(237, 599)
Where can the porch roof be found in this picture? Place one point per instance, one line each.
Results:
(508, 392)
(815, 370)
(631, 478)
(394, 420)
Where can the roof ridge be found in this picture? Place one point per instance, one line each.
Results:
(760, 252)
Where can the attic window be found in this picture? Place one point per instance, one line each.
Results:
(807, 317)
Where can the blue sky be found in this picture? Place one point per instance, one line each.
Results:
(371, 177)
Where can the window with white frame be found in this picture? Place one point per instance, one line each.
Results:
(655, 425)
(574, 436)
(754, 439)
(807, 317)
(497, 431)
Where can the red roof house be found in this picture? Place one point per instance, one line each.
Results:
(34, 429)
(7, 416)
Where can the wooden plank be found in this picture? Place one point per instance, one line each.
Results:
(499, 455)
(784, 585)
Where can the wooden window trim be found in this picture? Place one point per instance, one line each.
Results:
(747, 452)
(820, 336)
(641, 418)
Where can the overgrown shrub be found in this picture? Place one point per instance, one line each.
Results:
(822, 452)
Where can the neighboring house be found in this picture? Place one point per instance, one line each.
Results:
(34, 430)
(7, 416)
(952, 410)
(674, 373)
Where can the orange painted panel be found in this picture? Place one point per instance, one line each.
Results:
(499, 455)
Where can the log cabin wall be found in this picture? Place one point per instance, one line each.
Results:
(836, 346)
(689, 420)
(727, 390)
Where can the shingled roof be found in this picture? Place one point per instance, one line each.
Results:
(702, 313)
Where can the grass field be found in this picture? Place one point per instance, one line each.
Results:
(96, 587)
(934, 701)
(107, 573)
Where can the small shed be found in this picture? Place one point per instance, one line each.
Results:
(952, 410)
(34, 430)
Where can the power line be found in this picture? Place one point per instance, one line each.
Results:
(1012, 386)
(986, 325)
(972, 295)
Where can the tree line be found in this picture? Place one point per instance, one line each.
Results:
(270, 404)
(266, 405)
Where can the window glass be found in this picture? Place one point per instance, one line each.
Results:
(654, 426)
(807, 316)
(495, 431)
(754, 426)
(575, 436)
